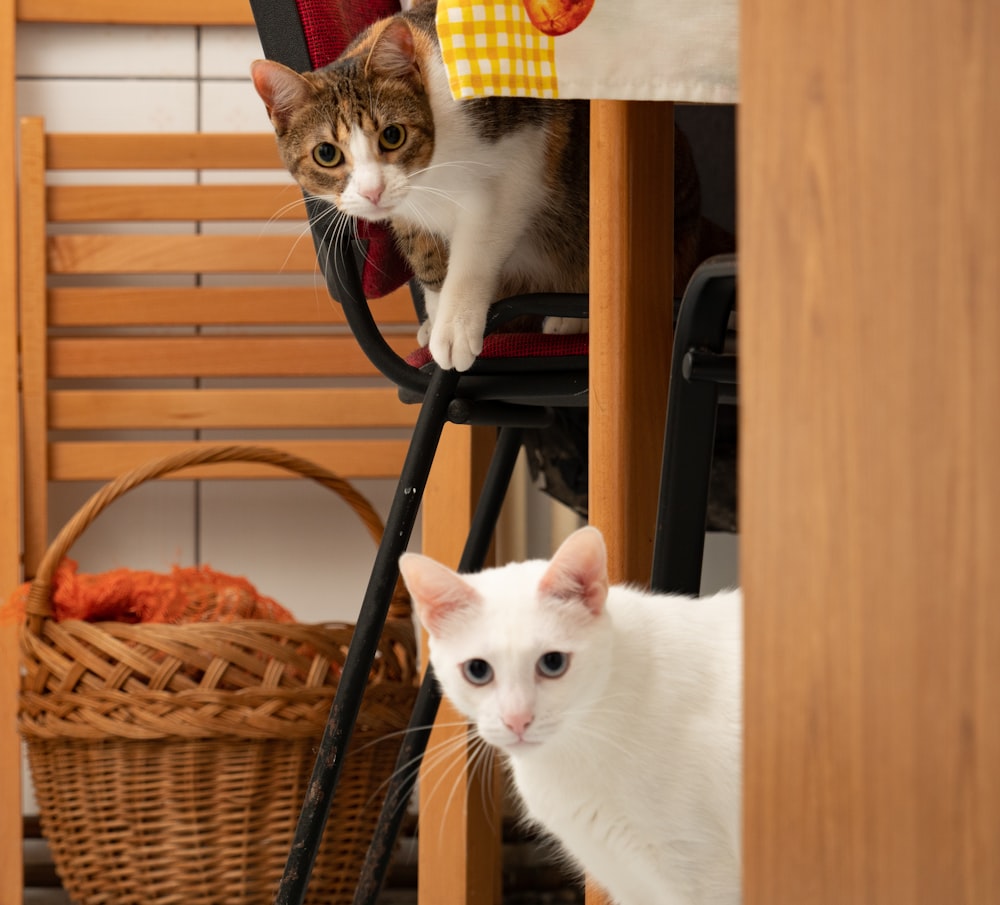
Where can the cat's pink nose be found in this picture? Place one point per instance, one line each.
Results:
(373, 194)
(518, 723)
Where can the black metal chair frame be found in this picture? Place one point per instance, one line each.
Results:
(511, 394)
(703, 376)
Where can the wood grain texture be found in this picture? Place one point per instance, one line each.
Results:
(80, 306)
(631, 311)
(870, 442)
(160, 12)
(460, 815)
(160, 150)
(94, 460)
(631, 317)
(201, 408)
(89, 203)
(213, 356)
(179, 254)
(11, 850)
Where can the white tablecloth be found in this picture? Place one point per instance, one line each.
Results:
(679, 50)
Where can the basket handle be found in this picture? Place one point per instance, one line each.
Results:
(39, 606)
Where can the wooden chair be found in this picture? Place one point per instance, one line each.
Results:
(13, 12)
(108, 359)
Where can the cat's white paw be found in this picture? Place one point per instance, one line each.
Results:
(424, 333)
(455, 343)
(566, 325)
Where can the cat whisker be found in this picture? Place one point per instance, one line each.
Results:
(431, 756)
(299, 201)
(454, 724)
(475, 753)
(437, 193)
(457, 164)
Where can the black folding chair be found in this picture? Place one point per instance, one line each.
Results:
(516, 383)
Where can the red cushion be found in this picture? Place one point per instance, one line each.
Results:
(519, 345)
(329, 26)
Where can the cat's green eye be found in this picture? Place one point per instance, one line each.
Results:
(392, 137)
(328, 155)
(553, 664)
(478, 672)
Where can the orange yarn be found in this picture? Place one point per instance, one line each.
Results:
(189, 594)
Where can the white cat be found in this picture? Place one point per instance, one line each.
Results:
(619, 712)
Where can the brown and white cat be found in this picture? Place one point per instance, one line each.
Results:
(487, 197)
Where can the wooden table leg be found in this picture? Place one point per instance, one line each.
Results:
(460, 816)
(870, 452)
(631, 326)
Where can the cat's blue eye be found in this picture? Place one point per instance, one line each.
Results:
(328, 155)
(478, 672)
(392, 137)
(553, 664)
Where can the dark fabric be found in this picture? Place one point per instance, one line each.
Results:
(329, 26)
(558, 460)
(519, 345)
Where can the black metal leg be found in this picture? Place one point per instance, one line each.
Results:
(696, 372)
(425, 709)
(364, 644)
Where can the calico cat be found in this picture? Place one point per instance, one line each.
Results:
(487, 197)
(619, 712)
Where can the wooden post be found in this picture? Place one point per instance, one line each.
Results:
(460, 815)
(870, 441)
(11, 849)
(631, 327)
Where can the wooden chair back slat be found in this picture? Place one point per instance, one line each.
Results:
(92, 460)
(149, 12)
(161, 151)
(106, 306)
(172, 254)
(84, 203)
(210, 356)
(104, 409)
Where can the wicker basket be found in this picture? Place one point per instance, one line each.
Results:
(170, 761)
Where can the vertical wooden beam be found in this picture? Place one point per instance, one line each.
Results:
(870, 441)
(460, 814)
(11, 852)
(631, 326)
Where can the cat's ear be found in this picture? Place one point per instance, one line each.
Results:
(282, 90)
(394, 53)
(438, 593)
(579, 571)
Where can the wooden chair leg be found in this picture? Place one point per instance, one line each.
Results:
(11, 843)
(460, 815)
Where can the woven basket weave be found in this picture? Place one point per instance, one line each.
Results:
(170, 761)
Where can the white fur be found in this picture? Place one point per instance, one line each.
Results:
(632, 757)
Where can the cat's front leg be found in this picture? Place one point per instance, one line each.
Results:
(456, 335)
(431, 297)
(478, 250)
(427, 255)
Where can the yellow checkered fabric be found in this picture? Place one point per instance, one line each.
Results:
(492, 48)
